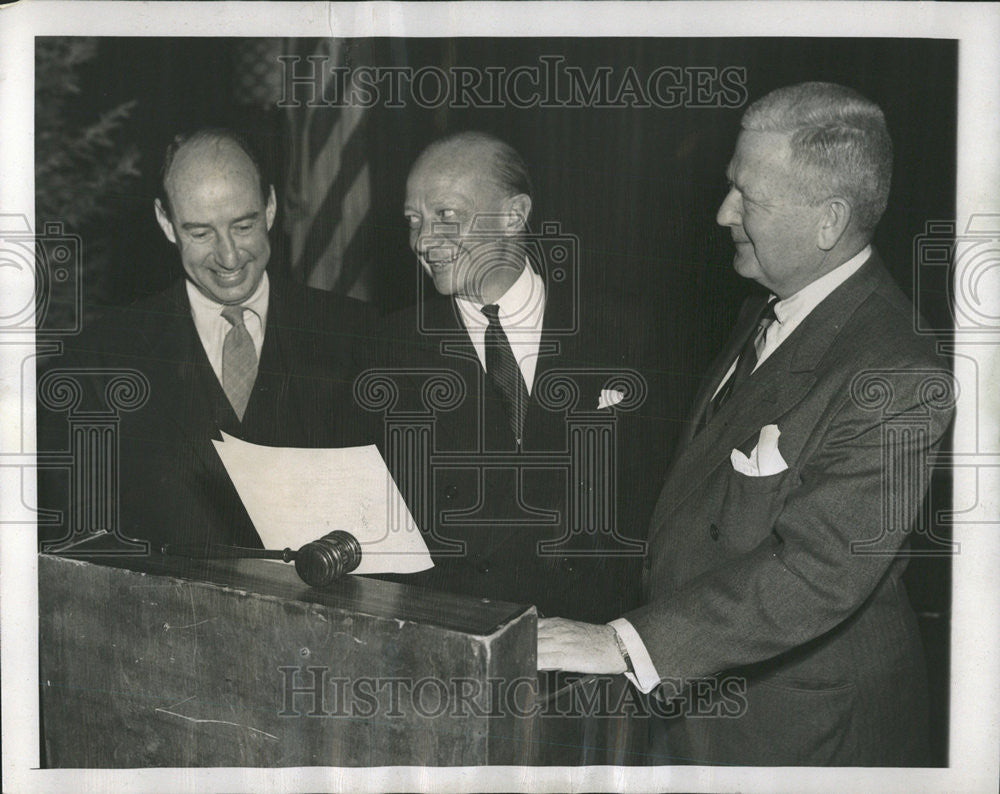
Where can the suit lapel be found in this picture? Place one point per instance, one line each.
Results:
(443, 332)
(719, 367)
(552, 353)
(772, 390)
(181, 378)
(271, 400)
(176, 350)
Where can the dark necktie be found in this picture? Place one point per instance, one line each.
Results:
(502, 368)
(745, 363)
(239, 361)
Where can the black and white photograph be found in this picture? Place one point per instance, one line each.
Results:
(500, 396)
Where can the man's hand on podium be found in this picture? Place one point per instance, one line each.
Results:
(578, 647)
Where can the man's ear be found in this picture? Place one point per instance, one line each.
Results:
(835, 219)
(517, 209)
(164, 220)
(271, 209)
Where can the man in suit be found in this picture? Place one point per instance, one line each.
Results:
(527, 388)
(772, 584)
(506, 326)
(227, 348)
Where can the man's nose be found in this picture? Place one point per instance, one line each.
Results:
(419, 240)
(730, 213)
(429, 235)
(226, 253)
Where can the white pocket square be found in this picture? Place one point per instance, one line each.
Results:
(609, 397)
(764, 459)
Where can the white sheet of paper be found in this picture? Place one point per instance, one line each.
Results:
(294, 496)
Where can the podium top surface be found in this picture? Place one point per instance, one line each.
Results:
(356, 594)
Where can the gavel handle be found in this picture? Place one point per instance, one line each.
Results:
(318, 563)
(217, 551)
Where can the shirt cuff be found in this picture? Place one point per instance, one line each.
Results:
(645, 677)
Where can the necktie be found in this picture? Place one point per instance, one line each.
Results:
(502, 368)
(239, 361)
(746, 362)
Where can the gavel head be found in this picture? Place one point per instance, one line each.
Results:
(325, 560)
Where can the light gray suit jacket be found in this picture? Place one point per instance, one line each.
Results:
(790, 583)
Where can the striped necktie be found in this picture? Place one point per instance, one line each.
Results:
(746, 362)
(502, 368)
(239, 361)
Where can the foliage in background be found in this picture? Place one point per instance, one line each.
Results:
(81, 166)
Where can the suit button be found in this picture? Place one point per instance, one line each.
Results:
(483, 567)
(567, 565)
(714, 532)
(450, 492)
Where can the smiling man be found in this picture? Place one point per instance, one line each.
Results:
(467, 207)
(218, 213)
(505, 329)
(225, 349)
(774, 609)
(501, 323)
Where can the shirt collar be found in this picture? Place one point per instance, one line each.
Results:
(522, 301)
(257, 303)
(811, 295)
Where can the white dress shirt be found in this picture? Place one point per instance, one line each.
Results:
(789, 312)
(212, 327)
(795, 308)
(522, 307)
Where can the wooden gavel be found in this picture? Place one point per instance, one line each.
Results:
(318, 563)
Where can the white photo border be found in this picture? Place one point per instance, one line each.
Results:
(975, 661)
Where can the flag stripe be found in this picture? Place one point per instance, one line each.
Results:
(322, 119)
(328, 163)
(354, 278)
(328, 196)
(353, 159)
(354, 209)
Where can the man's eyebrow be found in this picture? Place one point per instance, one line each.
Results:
(248, 217)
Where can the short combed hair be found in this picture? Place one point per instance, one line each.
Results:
(210, 135)
(507, 167)
(839, 141)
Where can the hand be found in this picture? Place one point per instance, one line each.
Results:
(579, 647)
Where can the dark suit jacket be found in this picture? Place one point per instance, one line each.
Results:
(173, 487)
(791, 582)
(488, 514)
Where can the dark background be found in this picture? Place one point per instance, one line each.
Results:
(638, 187)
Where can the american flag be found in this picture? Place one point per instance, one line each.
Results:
(327, 191)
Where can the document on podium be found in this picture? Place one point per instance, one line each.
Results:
(294, 496)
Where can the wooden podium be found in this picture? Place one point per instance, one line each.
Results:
(162, 661)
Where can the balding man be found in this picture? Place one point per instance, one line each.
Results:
(776, 628)
(225, 349)
(507, 516)
(507, 324)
